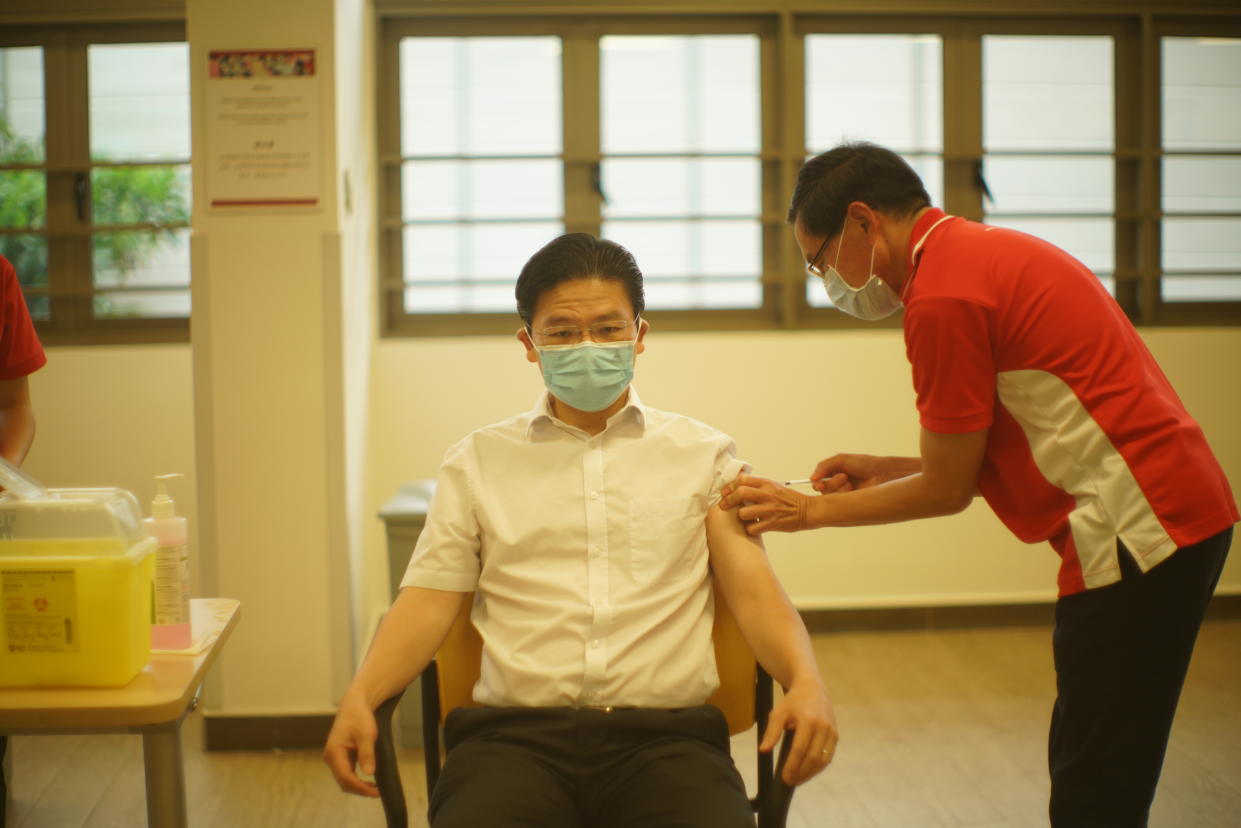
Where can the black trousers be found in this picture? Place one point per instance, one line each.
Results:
(1121, 655)
(586, 768)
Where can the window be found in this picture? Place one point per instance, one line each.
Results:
(884, 88)
(23, 185)
(1115, 135)
(1048, 139)
(681, 173)
(513, 132)
(480, 177)
(1201, 109)
(94, 180)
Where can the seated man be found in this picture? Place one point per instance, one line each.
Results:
(588, 530)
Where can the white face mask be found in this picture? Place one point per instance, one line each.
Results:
(873, 300)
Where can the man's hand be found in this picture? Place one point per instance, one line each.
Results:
(847, 472)
(412, 630)
(352, 742)
(766, 505)
(806, 710)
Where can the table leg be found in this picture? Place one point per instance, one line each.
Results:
(165, 775)
(6, 766)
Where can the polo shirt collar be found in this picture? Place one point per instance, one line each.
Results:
(917, 243)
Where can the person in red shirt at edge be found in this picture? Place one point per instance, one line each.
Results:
(20, 355)
(1035, 391)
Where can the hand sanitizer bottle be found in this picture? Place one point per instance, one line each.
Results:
(171, 627)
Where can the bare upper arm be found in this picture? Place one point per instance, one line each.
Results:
(951, 463)
(738, 560)
(17, 422)
(14, 392)
(419, 620)
(433, 610)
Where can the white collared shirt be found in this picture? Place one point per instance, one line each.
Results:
(588, 554)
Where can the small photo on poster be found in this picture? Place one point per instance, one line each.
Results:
(278, 64)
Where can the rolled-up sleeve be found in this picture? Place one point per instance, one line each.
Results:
(727, 467)
(446, 556)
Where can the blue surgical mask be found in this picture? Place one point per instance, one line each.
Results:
(588, 376)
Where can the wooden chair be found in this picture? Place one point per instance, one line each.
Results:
(745, 697)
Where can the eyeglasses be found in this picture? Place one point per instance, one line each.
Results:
(812, 266)
(613, 331)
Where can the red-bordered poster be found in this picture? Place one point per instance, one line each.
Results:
(263, 128)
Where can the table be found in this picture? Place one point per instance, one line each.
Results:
(154, 704)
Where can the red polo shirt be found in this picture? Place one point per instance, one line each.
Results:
(1088, 441)
(20, 351)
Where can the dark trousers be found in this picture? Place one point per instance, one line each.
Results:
(1121, 655)
(585, 768)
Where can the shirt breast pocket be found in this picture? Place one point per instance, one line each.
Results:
(666, 536)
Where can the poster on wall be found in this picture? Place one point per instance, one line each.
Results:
(263, 128)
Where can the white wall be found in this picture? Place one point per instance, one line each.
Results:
(270, 377)
(788, 399)
(117, 416)
(355, 79)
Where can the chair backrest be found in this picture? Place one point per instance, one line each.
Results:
(744, 695)
(458, 662)
(460, 656)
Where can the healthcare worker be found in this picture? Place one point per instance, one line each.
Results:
(21, 354)
(1035, 391)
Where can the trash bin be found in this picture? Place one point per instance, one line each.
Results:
(404, 515)
(75, 571)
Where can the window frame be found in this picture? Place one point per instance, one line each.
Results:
(1151, 309)
(66, 94)
(782, 27)
(581, 154)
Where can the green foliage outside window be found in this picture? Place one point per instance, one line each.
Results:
(23, 203)
(149, 195)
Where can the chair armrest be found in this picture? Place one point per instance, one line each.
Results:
(387, 774)
(773, 809)
(430, 686)
(774, 796)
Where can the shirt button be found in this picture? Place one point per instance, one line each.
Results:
(594, 495)
(595, 643)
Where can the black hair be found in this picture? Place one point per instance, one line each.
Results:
(577, 256)
(857, 171)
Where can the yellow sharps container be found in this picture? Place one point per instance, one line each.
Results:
(75, 581)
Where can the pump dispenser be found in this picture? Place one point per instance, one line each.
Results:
(170, 628)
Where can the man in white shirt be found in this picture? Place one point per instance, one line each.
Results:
(588, 530)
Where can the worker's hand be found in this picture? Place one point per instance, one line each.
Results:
(846, 472)
(807, 711)
(766, 505)
(352, 742)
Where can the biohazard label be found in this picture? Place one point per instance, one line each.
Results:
(40, 610)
